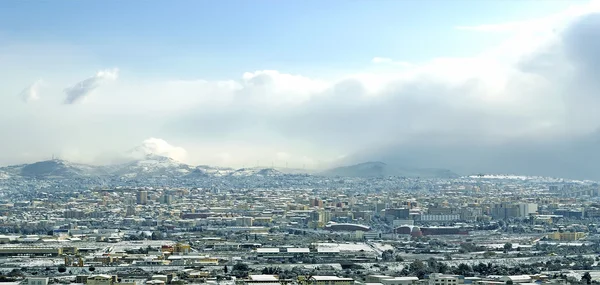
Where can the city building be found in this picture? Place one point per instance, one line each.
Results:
(142, 197)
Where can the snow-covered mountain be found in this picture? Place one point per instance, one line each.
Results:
(257, 172)
(51, 169)
(205, 170)
(149, 166)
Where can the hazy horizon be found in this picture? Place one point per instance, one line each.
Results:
(490, 86)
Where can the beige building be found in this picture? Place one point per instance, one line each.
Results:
(101, 279)
(330, 280)
(567, 236)
(104, 279)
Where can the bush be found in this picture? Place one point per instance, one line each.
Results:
(241, 267)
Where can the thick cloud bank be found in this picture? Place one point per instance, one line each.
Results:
(533, 111)
(527, 106)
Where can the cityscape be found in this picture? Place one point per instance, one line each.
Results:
(176, 224)
(300, 142)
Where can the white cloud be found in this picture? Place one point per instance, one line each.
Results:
(31, 93)
(83, 88)
(155, 146)
(274, 87)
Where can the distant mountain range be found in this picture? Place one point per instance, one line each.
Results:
(380, 169)
(155, 166)
(566, 157)
(148, 167)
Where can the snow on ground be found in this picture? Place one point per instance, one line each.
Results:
(33, 262)
(130, 175)
(527, 178)
(353, 247)
(383, 247)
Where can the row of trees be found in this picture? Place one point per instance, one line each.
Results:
(420, 269)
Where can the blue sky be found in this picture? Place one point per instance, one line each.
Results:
(233, 82)
(225, 38)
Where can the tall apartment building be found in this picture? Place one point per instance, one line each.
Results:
(142, 197)
(527, 209)
(324, 217)
(504, 211)
(167, 198)
(316, 202)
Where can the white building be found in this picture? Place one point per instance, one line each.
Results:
(440, 217)
(400, 281)
(37, 280)
(376, 278)
(526, 209)
(244, 221)
(443, 279)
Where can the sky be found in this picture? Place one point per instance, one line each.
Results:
(299, 83)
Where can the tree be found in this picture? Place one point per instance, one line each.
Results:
(489, 254)
(587, 278)
(419, 269)
(507, 246)
(271, 270)
(15, 273)
(463, 269)
(225, 269)
(241, 270)
(442, 267)
(62, 269)
(387, 255)
(92, 268)
(240, 266)
(417, 265)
